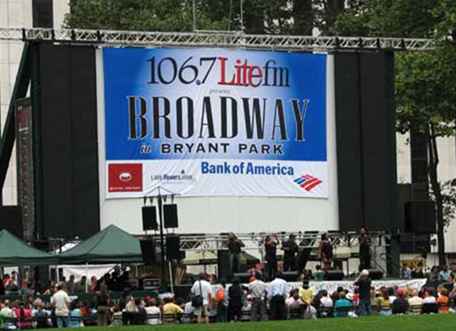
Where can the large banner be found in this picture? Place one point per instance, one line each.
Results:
(210, 121)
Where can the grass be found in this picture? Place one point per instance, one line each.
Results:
(374, 323)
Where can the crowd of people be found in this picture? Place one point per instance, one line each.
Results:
(255, 300)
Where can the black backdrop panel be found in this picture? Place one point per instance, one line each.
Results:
(68, 151)
(11, 220)
(378, 137)
(366, 164)
(348, 140)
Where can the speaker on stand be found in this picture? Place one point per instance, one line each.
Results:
(148, 251)
(170, 216)
(149, 218)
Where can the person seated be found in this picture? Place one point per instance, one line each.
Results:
(326, 304)
(383, 303)
(41, 315)
(309, 312)
(392, 294)
(415, 302)
(294, 304)
(171, 311)
(153, 312)
(342, 305)
(442, 301)
(305, 293)
(23, 314)
(116, 316)
(75, 315)
(6, 311)
(400, 304)
(188, 316)
(430, 305)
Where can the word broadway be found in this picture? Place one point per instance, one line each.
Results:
(216, 117)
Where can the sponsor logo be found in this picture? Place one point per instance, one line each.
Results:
(232, 72)
(173, 178)
(307, 182)
(125, 177)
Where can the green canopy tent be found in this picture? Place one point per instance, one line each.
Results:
(111, 245)
(15, 252)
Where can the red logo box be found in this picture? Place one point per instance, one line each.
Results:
(125, 177)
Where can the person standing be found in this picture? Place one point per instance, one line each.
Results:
(257, 289)
(278, 292)
(364, 249)
(61, 302)
(235, 295)
(270, 247)
(202, 291)
(102, 305)
(234, 248)
(221, 299)
(290, 249)
(364, 287)
(326, 252)
(70, 285)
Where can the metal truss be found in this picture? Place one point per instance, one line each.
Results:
(214, 39)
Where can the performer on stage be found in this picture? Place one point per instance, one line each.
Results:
(270, 246)
(364, 249)
(326, 252)
(290, 249)
(234, 247)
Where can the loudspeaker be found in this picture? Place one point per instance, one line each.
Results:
(290, 276)
(149, 218)
(420, 217)
(11, 220)
(173, 247)
(223, 265)
(334, 275)
(170, 216)
(375, 274)
(148, 251)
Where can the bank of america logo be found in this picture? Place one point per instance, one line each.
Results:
(307, 182)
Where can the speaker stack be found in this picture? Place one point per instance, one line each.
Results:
(149, 218)
(148, 251)
(173, 247)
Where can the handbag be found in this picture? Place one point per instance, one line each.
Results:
(197, 300)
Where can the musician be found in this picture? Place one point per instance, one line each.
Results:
(326, 252)
(235, 247)
(270, 246)
(364, 249)
(290, 249)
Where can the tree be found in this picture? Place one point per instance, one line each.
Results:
(426, 100)
(425, 82)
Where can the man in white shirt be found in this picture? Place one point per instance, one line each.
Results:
(257, 290)
(153, 312)
(61, 301)
(204, 289)
(415, 302)
(325, 300)
(5, 310)
(278, 291)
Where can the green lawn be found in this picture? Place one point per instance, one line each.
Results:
(392, 323)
